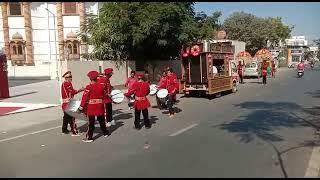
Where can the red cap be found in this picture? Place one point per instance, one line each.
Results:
(93, 75)
(68, 72)
(108, 70)
(140, 75)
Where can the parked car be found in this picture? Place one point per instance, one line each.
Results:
(252, 69)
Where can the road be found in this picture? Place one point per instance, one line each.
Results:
(260, 131)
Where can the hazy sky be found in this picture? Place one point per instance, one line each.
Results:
(305, 16)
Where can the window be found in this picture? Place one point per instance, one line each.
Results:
(14, 50)
(70, 7)
(20, 50)
(75, 48)
(70, 48)
(15, 9)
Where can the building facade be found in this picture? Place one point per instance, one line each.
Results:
(41, 34)
(295, 47)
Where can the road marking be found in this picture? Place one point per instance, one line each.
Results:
(36, 132)
(314, 164)
(183, 130)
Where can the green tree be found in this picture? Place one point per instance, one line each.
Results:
(207, 25)
(141, 30)
(317, 41)
(255, 31)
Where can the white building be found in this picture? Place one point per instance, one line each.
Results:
(295, 48)
(37, 36)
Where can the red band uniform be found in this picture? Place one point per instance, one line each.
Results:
(129, 84)
(172, 87)
(92, 103)
(140, 89)
(162, 85)
(240, 71)
(67, 92)
(264, 74)
(107, 100)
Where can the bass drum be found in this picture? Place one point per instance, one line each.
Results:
(153, 89)
(72, 110)
(162, 94)
(117, 96)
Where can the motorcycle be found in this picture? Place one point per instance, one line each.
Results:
(300, 73)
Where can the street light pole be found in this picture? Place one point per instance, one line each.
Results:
(55, 42)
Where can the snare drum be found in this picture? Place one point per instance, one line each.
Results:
(162, 94)
(153, 89)
(72, 110)
(117, 96)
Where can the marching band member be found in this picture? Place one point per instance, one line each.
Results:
(172, 87)
(161, 85)
(264, 73)
(67, 92)
(141, 90)
(129, 83)
(240, 71)
(92, 103)
(175, 76)
(107, 100)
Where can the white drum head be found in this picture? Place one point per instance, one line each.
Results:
(153, 89)
(162, 93)
(72, 110)
(117, 96)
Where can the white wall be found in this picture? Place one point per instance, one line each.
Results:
(1, 31)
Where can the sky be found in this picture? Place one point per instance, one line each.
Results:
(305, 16)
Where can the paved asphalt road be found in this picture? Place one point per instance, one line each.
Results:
(19, 82)
(260, 131)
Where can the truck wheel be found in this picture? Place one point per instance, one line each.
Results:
(234, 87)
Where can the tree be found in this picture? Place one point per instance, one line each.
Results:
(317, 41)
(207, 25)
(141, 30)
(255, 31)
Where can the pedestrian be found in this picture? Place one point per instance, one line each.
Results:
(129, 83)
(162, 85)
(108, 72)
(172, 87)
(140, 89)
(273, 69)
(92, 104)
(67, 92)
(264, 74)
(240, 71)
(269, 70)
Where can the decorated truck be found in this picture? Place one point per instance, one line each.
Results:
(207, 68)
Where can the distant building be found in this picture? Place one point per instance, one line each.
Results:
(42, 33)
(295, 47)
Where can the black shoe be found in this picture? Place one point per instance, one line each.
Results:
(107, 134)
(148, 126)
(65, 132)
(137, 127)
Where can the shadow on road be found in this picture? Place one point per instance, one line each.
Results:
(18, 95)
(268, 117)
(315, 94)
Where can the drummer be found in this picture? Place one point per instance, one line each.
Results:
(174, 76)
(67, 92)
(172, 87)
(107, 99)
(140, 89)
(92, 103)
(129, 83)
(162, 85)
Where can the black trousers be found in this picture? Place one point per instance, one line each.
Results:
(91, 126)
(145, 114)
(241, 78)
(264, 79)
(108, 107)
(160, 104)
(67, 119)
(170, 103)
